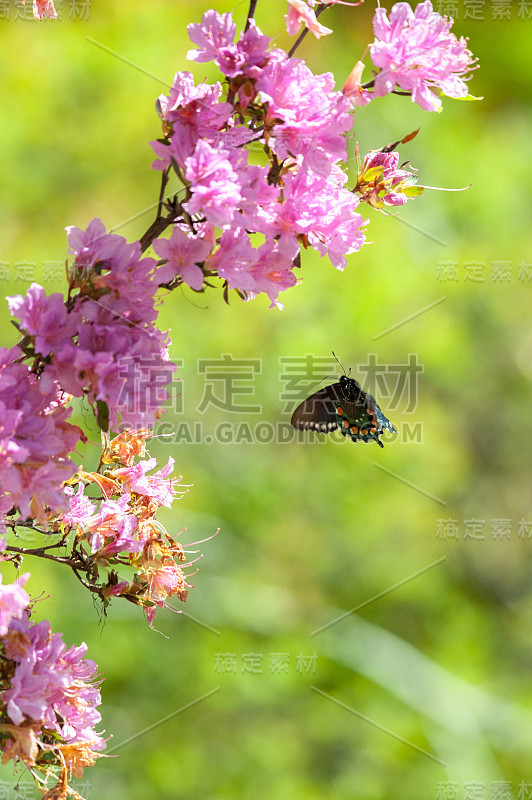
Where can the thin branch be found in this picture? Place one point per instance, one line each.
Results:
(370, 84)
(97, 590)
(22, 523)
(155, 230)
(164, 181)
(251, 13)
(40, 553)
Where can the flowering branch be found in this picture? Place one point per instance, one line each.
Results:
(262, 160)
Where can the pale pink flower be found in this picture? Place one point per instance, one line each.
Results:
(299, 14)
(13, 602)
(81, 508)
(353, 87)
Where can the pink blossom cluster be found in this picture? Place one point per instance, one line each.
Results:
(263, 164)
(35, 439)
(47, 689)
(415, 51)
(264, 211)
(121, 527)
(102, 343)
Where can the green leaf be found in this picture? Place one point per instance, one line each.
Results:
(413, 191)
(373, 173)
(469, 97)
(102, 415)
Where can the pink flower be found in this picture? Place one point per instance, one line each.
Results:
(44, 317)
(81, 508)
(267, 268)
(43, 8)
(353, 87)
(35, 438)
(114, 529)
(214, 36)
(416, 51)
(308, 117)
(213, 184)
(51, 686)
(93, 245)
(13, 602)
(108, 269)
(381, 182)
(234, 259)
(164, 580)
(300, 14)
(103, 346)
(191, 113)
(273, 271)
(157, 488)
(184, 253)
(214, 33)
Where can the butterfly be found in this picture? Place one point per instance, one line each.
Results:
(343, 405)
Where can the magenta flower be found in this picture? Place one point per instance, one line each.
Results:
(416, 52)
(93, 245)
(184, 253)
(234, 260)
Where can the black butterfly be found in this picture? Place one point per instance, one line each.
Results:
(346, 406)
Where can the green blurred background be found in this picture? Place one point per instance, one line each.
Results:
(441, 663)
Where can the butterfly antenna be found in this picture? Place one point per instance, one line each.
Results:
(337, 359)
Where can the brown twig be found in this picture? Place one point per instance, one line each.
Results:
(251, 13)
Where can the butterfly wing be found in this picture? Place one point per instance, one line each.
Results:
(384, 422)
(318, 412)
(362, 419)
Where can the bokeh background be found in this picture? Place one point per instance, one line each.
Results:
(423, 693)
